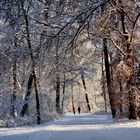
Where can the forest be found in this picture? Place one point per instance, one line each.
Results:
(58, 55)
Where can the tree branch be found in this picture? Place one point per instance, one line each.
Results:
(117, 46)
(134, 25)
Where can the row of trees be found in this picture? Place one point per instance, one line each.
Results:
(53, 45)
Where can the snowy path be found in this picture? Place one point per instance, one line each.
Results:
(78, 127)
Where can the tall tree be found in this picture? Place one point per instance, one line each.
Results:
(14, 81)
(85, 88)
(28, 38)
(108, 74)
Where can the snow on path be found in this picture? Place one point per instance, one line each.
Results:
(76, 127)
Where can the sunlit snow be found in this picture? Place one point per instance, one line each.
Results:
(76, 127)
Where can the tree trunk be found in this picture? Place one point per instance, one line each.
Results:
(111, 68)
(57, 94)
(64, 86)
(108, 78)
(121, 98)
(33, 63)
(25, 107)
(103, 84)
(37, 97)
(72, 98)
(108, 74)
(132, 108)
(14, 113)
(86, 95)
(58, 110)
(14, 88)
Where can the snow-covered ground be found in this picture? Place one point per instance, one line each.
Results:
(76, 127)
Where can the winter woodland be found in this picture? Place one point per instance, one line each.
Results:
(58, 55)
